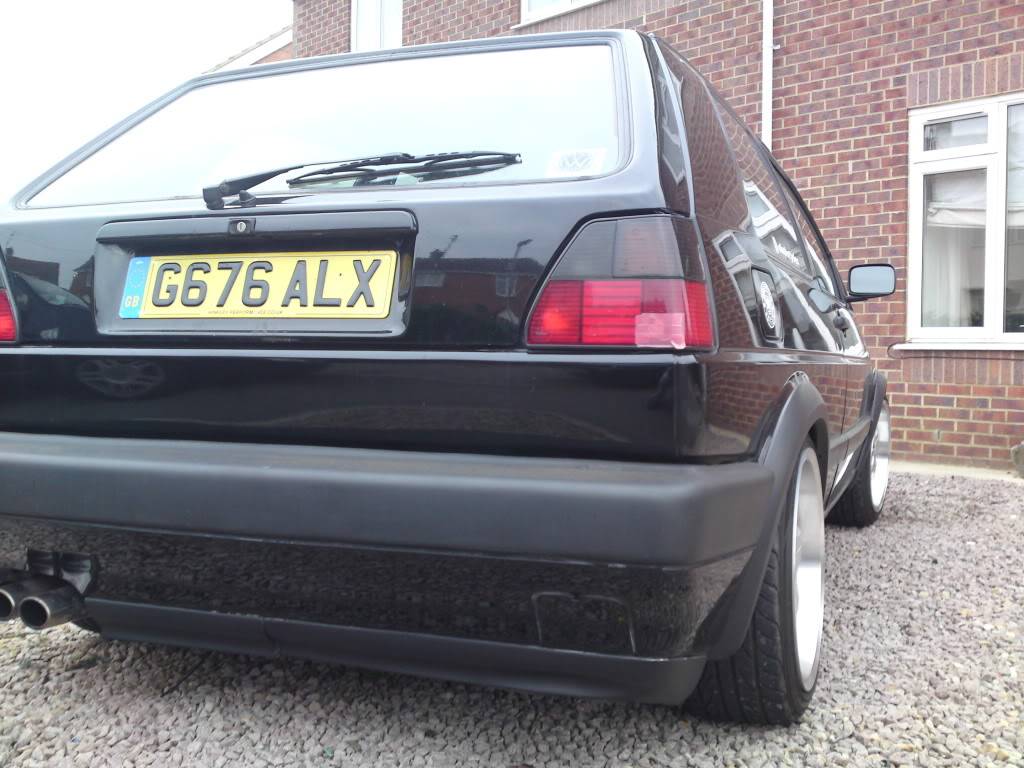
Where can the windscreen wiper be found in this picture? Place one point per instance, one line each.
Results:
(427, 167)
(239, 185)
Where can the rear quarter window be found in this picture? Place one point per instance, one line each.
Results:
(555, 106)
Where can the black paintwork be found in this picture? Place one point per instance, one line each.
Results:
(448, 370)
(472, 261)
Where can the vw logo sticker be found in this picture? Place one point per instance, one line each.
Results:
(768, 305)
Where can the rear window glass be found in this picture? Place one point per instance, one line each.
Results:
(556, 107)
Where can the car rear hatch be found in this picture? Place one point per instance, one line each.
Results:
(379, 316)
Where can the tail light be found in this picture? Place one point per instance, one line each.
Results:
(8, 327)
(631, 282)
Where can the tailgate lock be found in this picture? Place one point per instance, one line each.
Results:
(241, 226)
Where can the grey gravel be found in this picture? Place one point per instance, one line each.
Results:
(924, 666)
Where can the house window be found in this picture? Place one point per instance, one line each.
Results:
(1013, 307)
(505, 286)
(535, 10)
(956, 132)
(376, 24)
(966, 258)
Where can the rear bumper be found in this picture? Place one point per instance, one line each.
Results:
(544, 670)
(557, 575)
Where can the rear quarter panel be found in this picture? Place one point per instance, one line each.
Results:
(746, 377)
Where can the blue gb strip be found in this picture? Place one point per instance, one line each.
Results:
(134, 287)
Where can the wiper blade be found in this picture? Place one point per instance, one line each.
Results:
(215, 195)
(430, 166)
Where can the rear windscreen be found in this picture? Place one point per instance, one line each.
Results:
(556, 107)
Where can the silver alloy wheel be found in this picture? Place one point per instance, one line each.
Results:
(808, 572)
(881, 447)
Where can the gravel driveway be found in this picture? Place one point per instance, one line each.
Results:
(924, 666)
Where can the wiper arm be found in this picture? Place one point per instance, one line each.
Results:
(431, 166)
(214, 196)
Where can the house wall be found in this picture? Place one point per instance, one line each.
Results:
(426, 21)
(845, 75)
(283, 53)
(321, 26)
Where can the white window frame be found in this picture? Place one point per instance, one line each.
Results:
(558, 9)
(990, 157)
(372, 6)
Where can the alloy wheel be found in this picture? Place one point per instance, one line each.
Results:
(808, 572)
(881, 448)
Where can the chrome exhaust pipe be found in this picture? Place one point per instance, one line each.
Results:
(52, 608)
(13, 593)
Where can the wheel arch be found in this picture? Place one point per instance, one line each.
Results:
(819, 439)
(875, 386)
(799, 414)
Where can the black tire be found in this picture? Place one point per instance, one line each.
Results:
(856, 508)
(761, 682)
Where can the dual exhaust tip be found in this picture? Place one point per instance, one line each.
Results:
(40, 602)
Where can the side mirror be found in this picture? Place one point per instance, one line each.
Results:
(870, 281)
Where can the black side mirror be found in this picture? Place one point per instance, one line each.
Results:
(870, 281)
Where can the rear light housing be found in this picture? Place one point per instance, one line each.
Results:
(8, 323)
(637, 282)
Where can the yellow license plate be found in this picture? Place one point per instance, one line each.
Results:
(355, 285)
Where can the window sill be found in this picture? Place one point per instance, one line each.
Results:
(959, 346)
(554, 14)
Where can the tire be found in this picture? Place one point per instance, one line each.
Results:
(764, 682)
(861, 504)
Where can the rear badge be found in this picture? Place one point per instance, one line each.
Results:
(576, 162)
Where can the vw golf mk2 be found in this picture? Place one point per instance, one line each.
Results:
(518, 362)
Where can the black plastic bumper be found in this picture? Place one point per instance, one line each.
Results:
(544, 670)
(555, 575)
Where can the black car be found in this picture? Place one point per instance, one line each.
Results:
(516, 361)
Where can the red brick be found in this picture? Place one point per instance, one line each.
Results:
(974, 451)
(1000, 441)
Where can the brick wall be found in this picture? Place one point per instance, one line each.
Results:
(426, 21)
(321, 26)
(843, 84)
(845, 75)
(283, 53)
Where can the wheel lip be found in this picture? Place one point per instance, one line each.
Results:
(880, 457)
(807, 571)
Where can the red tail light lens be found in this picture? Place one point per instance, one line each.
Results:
(557, 318)
(667, 313)
(8, 328)
(610, 309)
(634, 282)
